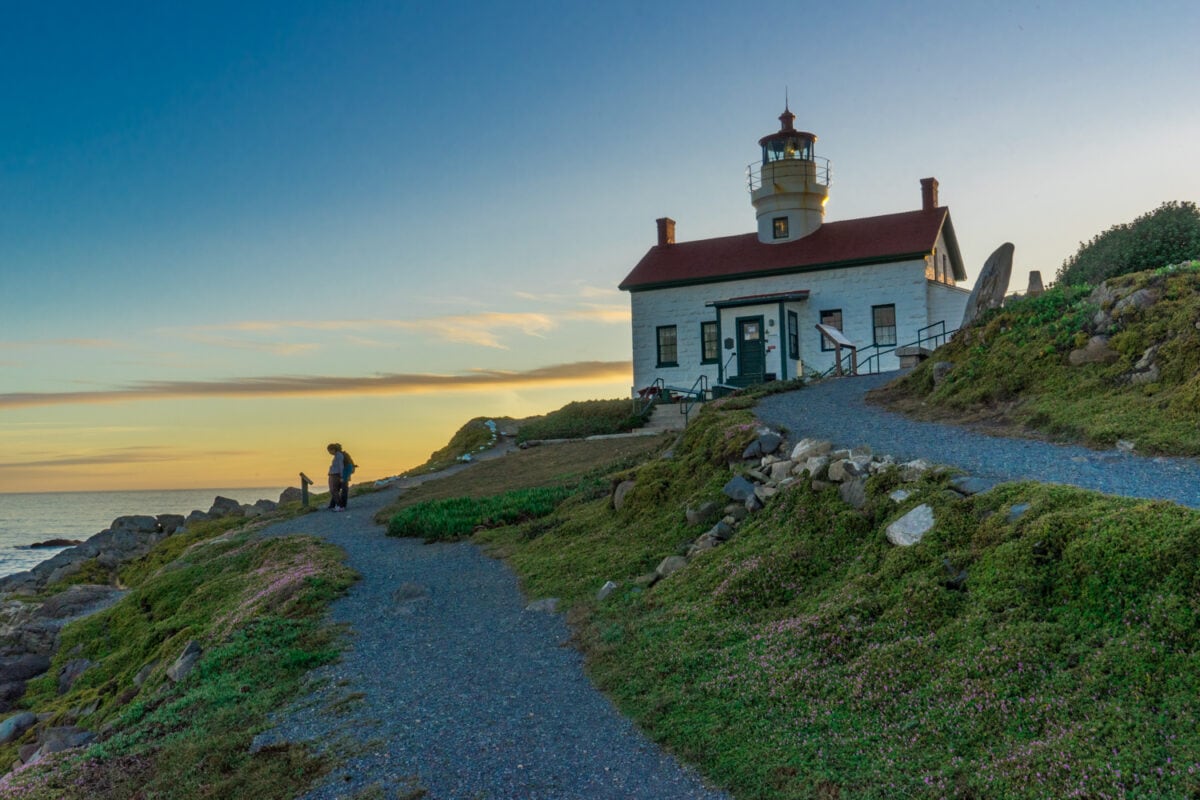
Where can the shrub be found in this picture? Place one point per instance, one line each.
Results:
(1167, 235)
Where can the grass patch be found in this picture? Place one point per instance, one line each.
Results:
(476, 436)
(455, 518)
(579, 419)
(254, 605)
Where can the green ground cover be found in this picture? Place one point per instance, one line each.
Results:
(1011, 369)
(582, 418)
(255, 606)
(808, 657)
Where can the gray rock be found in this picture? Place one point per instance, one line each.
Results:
(753, 503)
(992, 284)
(225, 507)
(55, 740)
(266, 506)
(764, 445)
(911, 471)
(737, 511)
(291, 495)
(780, 470)
(1151, 374)
(1096, 351)
(1017, 511)
(71, 672)
(765, 493)
(144, 673)
(619, 494)
(810, 448)
(17, 724)
(186, 662)
(251, 510)
(170, 523)
(722, 530)
(671, 565)
(969, 484)
(738, 488)
(140, 523)
(23, 667)
(606, 590)
(706, 513)
(912, 527)
(817, 467)
(79, 601)
(854, 492)
(900, 495)
(198, 516)
(941, 370)
(819, 486)
(1139, 300)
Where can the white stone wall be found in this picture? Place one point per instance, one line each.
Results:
(854, 290)
(947, 303)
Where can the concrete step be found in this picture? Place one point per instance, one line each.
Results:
(666, 417)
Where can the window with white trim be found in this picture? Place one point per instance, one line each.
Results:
(668, 346)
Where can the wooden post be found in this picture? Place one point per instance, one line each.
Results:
(305, 482)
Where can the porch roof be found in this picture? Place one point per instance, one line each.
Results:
(760, 299)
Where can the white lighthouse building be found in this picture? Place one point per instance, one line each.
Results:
(743, 309)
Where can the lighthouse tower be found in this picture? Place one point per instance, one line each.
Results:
(790, 186)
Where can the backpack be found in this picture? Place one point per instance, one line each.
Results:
(348, 466)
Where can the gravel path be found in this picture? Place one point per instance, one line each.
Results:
(835, 410)
(463, 692)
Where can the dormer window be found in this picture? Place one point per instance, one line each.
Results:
(779, 227)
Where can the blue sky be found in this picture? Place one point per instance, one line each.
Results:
(232, 232)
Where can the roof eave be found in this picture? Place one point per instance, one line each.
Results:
(861, 262)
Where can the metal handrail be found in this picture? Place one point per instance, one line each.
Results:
(871, 365)
(822, 171)
(697, 394)
(650, 397)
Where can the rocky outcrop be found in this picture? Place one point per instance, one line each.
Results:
(760, 478)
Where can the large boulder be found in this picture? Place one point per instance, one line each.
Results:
(912, 527)
(620, 492)
(23, 667)
(170, 523)
(140, 523)
(670, 565)
(17, 724)
(225, 507)
(1096, 351)
(186, 661)
(738, 488)
(291, 495)
(810, 448)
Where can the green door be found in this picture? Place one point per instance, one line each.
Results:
(751, 354)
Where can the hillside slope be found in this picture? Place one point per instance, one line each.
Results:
(1120, 362)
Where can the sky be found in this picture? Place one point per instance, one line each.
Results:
(231, 233)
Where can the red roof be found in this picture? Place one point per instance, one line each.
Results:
(870, 240)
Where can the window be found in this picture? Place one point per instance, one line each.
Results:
(710, 345)
(668, 346)
(883, 319)
(833, 318)
(793, 334)
(779, 227)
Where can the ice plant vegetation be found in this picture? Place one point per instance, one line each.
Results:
(255, 607)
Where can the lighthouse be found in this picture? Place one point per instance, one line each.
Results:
(790, 186)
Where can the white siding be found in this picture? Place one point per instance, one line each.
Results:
(854, 290)
(947, 303)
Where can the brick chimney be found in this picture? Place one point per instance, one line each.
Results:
(666, 230)
(929, 198)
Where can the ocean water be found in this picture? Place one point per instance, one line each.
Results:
(29, 518)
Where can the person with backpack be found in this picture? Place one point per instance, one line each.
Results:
(340, 470)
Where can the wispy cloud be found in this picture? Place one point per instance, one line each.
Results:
(84, 343)
(483, 329)
(127, 455)
(318, 385)
(275, 348)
